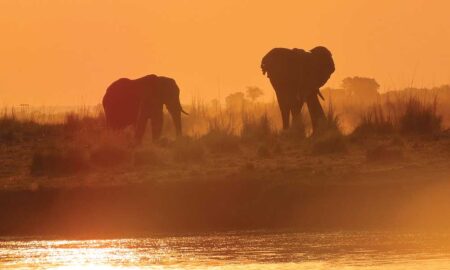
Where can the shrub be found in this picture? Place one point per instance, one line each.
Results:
(328, 138)
(329, 142)
(221, 142)
(330, 124)
(13, 130)
(108, 155)
(220, 139)
(420, 118)
(187, 150)
(374, 121)
(260, 129)
(297, 131)
(75, 123)
(54, 162)
(332, 121)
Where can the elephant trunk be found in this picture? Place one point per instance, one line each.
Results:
(175, 111)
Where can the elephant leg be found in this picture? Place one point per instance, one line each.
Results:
(285, 109)
(157, 123)
(296, 106)
(296, 114)
(140, 129)
(109, 125)
(281, 90)
(316, 112)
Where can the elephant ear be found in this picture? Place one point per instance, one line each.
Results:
(166, 87)
(323, 65)
(275, 62)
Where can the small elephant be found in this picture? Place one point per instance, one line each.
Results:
(131, 102)
(296, 76)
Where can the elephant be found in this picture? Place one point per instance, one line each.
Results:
(296, 76)
(132, 102)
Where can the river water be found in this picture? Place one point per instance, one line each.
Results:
(249, 250)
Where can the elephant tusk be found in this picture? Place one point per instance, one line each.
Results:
(320, 95)
(184, 112)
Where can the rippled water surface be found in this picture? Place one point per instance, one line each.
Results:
(356, 250)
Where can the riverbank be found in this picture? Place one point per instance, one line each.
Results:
(310, 192)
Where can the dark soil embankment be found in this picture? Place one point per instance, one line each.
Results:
(215, 205)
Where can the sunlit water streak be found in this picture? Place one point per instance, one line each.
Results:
(361, 250)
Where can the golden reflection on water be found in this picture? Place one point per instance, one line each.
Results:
(234, 251)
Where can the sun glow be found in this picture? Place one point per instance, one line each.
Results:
(234, 251)
(92, 254)
(66, 52)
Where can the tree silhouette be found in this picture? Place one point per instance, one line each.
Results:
(254, 92)
(215, 103)
(361, 87)
(235, 101)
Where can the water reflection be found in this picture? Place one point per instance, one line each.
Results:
(235, 251)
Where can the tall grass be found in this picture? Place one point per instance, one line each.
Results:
(420, 117)
(209, 130)
(329, 139)
(375, 121)
(257, 121)
(410, 116)
(256, 129)
(220, 136)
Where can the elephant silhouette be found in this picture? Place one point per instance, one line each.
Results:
(296, 76)
(132, 102)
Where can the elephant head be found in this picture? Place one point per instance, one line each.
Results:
(322, 65)
(168, 91)
(319, 67)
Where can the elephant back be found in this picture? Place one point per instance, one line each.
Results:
(121, 91)
(121, 102)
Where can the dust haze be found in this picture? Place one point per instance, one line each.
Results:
(211, 138)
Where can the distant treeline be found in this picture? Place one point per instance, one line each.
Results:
(368, 89)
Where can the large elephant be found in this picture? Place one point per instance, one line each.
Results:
(296, 76)
(131, 102)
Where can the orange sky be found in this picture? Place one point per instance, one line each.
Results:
(68, 52)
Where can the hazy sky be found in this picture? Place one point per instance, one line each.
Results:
(65, 52)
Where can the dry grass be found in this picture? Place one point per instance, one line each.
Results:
(108, 155)
(258, 129)
(411, 116)
(59, 161)
(420, 117)
(374, 122)
(13, 130)
(329, 139)
(331, 142)
(210, 130)
(188, 150)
